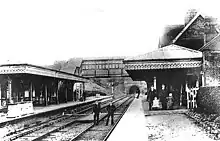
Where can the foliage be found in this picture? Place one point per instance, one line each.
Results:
(66, 66)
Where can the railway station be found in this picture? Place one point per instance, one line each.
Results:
(42, 86)
(165, 66)
(186, 62)
(27, 86)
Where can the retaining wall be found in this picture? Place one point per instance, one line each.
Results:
(209, 99)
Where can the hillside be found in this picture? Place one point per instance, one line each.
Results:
(66, 66)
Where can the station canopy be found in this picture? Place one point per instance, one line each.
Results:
(38, 70)
(168, 57)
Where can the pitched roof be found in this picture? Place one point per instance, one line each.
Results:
(186, 27)
(104, 58)
(167, 53)
(38, 70)
(212, 44)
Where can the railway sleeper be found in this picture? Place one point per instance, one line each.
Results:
(80, 114)
(84, 121)
(54, 130)
(118, 113)
(44, 125)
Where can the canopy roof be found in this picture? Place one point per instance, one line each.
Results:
(38, 70)
(167, 53)
(169, 57)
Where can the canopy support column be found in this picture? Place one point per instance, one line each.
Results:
(0, 95)
(155, 83)
(9, 90)
(57, 92)
(31, 91)
(83, 91)
(46, 93)
(66, 93)
(203, 79)
(73, 92)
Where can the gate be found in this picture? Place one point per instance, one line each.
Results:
(191, 98)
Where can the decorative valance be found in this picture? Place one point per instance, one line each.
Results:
(161, 65)
(38, 70)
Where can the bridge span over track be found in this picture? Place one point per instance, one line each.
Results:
(109, 72)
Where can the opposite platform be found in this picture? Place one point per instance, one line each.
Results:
(132, 125)
(49, 108)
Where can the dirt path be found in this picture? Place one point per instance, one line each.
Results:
(173, 127)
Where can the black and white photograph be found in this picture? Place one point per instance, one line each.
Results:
(109, 70)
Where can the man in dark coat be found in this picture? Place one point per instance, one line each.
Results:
(162, 96)
(96, 111)
(138, 93)
(150, 96)
(110, 109)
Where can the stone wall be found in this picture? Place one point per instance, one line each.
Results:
(209, 98)
(121, 84)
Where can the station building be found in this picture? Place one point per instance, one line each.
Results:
(187, 59)
(40, 85)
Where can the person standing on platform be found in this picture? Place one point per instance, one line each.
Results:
(74, 95)
(170, 101)
(150, 96)
(96, 111)
(138, 93)
(162, 96)
(84, 96)
(110, 109)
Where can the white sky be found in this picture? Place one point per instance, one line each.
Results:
(42, 31)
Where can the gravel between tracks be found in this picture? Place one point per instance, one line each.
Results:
(173, 127)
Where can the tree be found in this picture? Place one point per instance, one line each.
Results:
(66, 66)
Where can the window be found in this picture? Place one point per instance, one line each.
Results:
(86, 67)
(116, 65)
(90, 66)
(93, 66)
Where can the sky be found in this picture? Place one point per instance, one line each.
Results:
(42, 31)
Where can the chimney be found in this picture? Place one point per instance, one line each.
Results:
(189, 15)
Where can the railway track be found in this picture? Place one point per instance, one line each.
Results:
(102, 132)
(78, 130)
(41, 129)
(25, 128)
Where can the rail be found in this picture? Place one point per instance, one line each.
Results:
(40, 125)
(112, 129)
(92, 125)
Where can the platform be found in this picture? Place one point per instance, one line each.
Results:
(131, 127)
(165, 112)
(45, 109)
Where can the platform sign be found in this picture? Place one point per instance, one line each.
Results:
(26, 94)
(20, 109)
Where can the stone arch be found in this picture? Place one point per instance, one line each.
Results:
(133, 89)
